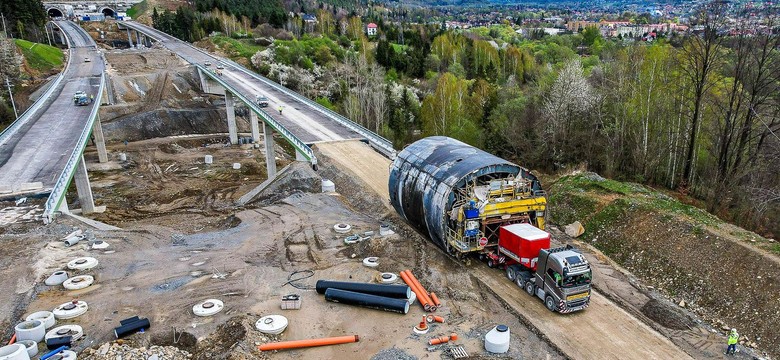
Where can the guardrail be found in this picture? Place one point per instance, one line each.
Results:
(382, 144)
(27, 114)
(63, 181)
(294, 140)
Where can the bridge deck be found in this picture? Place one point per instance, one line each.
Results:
(308, 124)
(39, 150)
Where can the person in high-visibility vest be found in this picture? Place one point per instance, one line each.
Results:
(733, 339)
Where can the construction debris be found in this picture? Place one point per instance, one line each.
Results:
(574, 229)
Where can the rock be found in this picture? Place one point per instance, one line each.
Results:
(153, 357)
(725, 327)
(682, 303)
(103, 349)
(574, 229)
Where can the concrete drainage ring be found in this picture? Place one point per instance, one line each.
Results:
(388, 278)
(342, 228)
(371, 261)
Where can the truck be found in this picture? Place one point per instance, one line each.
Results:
(81, 99)
(560, 276)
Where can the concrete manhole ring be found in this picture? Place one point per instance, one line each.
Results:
(83, 263)
(70, 310)
(208, 307)
(78, 282)
(342, 228)
(74, 331)
(371, 261)
(388, 278)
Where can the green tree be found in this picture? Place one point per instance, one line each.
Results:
(445, 112)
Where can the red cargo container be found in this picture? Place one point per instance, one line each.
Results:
(521, 243)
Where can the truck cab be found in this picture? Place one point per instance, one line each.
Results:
(562, 279)
(80, 98)
(559, 276)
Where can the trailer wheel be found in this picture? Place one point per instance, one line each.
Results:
(550, 303)
(529, 288)
(510, 273)
(491, 264)
(519, 281)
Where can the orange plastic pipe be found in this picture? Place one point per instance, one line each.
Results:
(434, 318)
(435, 299)
(419, 286)
(443, 339)
(13, 340)
(295, 344)
(426, 305)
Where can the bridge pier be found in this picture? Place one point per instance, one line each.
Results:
(255, 126)
(130, 38)
(83, 188)
(100, 142)
(230, 107)
(137, 39)
(270, 156)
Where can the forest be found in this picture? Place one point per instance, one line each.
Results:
(697, 113)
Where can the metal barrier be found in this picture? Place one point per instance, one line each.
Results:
(63, 181)
(294, 140)
(380, 143)
(27, 114)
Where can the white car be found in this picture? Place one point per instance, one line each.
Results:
(86, 59)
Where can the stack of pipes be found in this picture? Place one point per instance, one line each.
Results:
(429, 301)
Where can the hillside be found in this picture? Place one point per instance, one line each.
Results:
(725, 274)
(40, 57)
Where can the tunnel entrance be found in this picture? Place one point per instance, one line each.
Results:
(55, 13)
(107, 12)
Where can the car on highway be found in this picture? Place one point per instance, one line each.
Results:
(261, 101)
(207, 63)
(86, 59)
(219, 66)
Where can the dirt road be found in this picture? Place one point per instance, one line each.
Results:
(603, 331)
(360, 160)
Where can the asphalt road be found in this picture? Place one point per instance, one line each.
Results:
(42, 146)
(308, 124)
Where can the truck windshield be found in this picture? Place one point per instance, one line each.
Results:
(576, 280)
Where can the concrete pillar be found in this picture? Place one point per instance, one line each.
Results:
(100, 142)
(130, 38)
(270, 156)
(204, 84)
(83, 188)
(255, 126)
(137, 39)
(231, 117)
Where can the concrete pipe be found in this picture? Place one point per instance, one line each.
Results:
(400, 306)
(391, 291)
(78, 282)
(30, 330)
(74, 331)
(47, 317)
(30, 346)
(82, 263)
(71, 309)
(57, 278)
(73, 240)
(14, 352)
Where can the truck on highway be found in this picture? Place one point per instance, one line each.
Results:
(81, 99)
(559, 276)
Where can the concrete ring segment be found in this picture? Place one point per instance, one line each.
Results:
(83, 263)
(74, 331)
(371, 261)
(47, 317)
(78, 282)
(208, 307)
(70, 310)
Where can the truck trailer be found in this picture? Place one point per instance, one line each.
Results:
(473, 204)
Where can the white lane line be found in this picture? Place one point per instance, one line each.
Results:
(297, 117)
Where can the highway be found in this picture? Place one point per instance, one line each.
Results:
(308, 124)
(39, 150)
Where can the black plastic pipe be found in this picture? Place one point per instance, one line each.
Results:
(57, 342)
(400, 306)
(391, 291)
(129, 320)
(131, 328)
